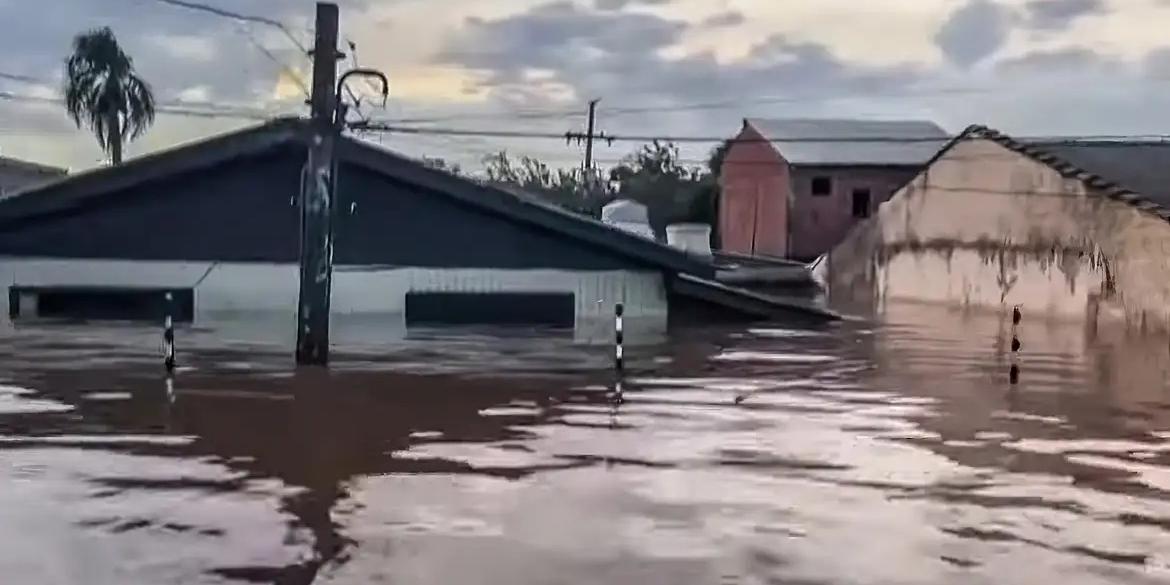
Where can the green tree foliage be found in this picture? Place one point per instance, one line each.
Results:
(654, 176)
(103, 92)
(567, 188)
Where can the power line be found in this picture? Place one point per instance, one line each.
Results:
(286, 68)
(520, 115)
(740, 103)
(178, 110)
(244, 20)
(383, 127)
(20, 78)
(239, 17)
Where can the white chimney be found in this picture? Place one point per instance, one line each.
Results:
(692, 238)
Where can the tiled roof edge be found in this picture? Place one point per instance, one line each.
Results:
(1066, 169)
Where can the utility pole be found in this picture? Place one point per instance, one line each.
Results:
(589, 137)
(316, 250)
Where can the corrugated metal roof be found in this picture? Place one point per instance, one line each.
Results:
(1141, 167)
(878, 142)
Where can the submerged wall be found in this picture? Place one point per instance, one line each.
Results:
(258, 299)
(985, 227)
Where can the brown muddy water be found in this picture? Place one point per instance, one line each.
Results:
(877, 453)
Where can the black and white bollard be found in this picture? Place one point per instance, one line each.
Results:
(169, 334)
(1014, 371)
(619, 353)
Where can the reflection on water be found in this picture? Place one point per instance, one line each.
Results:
(887, 453)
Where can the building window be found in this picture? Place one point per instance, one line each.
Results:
(861, 203)
(822, 186)
(474, 308)
(100, 304)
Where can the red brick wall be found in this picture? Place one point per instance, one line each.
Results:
(753, 208)
(820, 222)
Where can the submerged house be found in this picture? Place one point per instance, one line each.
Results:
(787, 196)
(217, 223)
(1070, 230)
(18, 174)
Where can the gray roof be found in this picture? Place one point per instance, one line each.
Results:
(1142, 166)
(853, 142)
(30, 167)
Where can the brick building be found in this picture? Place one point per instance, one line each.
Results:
(787, 196)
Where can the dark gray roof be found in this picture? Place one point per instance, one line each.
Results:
(880, 142)
(30, 167)
(92, 186)
(1142, 167)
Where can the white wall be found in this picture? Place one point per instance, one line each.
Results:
(363, 297)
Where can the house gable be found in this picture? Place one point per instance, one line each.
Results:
(384, 220)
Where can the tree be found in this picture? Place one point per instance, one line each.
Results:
(563, 187)
(103, 92)
(654, 177)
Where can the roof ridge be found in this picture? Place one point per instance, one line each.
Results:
(1111, 189)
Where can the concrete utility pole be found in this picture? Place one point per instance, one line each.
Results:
(589, 137)
(316, 255)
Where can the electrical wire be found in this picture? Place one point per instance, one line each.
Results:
(393, 128)
(238, 17)
(20, 78)
(245, 20)
(285, 67)
(178, 110)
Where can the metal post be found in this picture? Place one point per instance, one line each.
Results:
(1014, 372)
(316, 253)
(169, 334)
(618, 334)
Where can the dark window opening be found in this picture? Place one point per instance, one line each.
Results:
(861, 203)
(100, 304)
(548, 309)
(822, 186)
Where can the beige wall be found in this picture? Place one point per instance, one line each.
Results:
(986, 227)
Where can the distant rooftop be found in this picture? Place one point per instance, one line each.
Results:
(880, 142)
(30, 167)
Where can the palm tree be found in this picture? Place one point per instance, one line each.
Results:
(103, 92)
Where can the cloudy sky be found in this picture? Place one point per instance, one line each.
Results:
(661, 67)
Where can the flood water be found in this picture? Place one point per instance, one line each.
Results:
(891, 452)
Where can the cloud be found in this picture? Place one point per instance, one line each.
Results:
(1079, 60)
(722, 19)
(974, 32)
(603, 53)
(1054, 15)
(621, 4)
(1156, 64)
